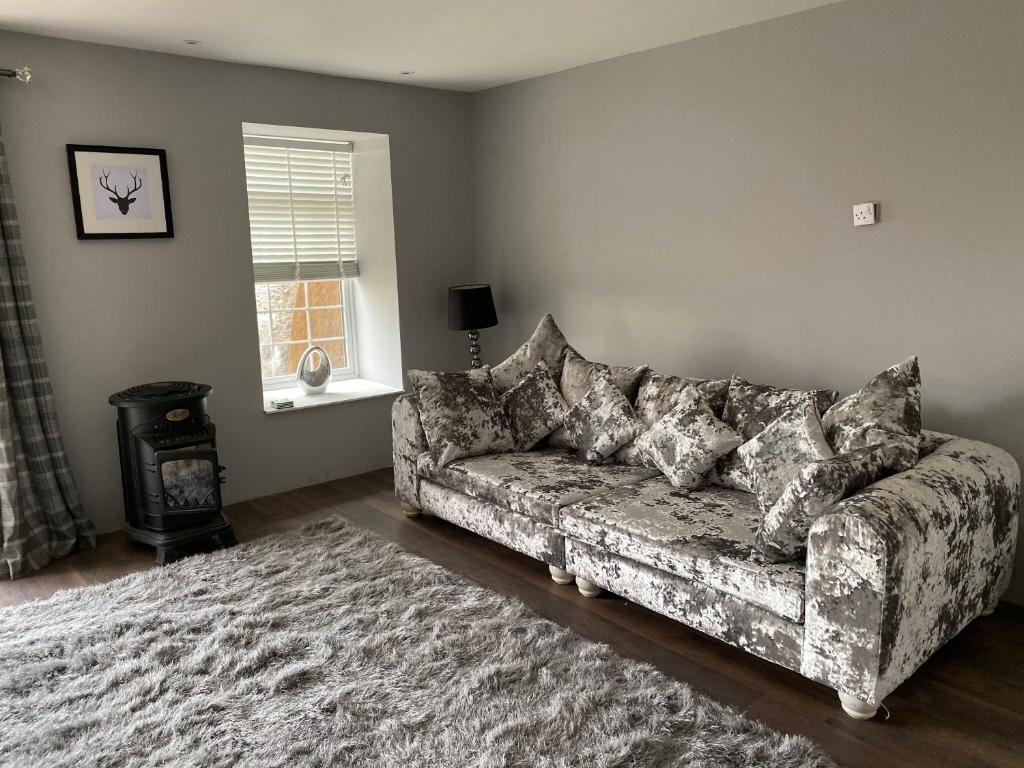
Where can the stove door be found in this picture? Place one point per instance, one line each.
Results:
(189, 480)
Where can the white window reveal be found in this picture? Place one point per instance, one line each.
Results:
(321, 227)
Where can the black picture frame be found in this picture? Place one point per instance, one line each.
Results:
(81, 225)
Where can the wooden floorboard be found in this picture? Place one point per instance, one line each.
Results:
(964, 707)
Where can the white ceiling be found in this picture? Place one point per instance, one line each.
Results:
(465, 45)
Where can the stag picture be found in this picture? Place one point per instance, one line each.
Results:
(120, 192)
(124, 202)
(127, 195)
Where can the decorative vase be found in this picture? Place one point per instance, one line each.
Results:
(315, 381)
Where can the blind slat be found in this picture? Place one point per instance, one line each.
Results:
(301, 215)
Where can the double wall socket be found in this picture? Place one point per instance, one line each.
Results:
(864, 214)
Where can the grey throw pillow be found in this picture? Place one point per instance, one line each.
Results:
(748, 409)
(781, 451)
(658, 394)
(534, 407)
(782, 534)
(603, 421)
(686, 441)
(461, 415)
(577, 379)
(886, 411)
(547, 343)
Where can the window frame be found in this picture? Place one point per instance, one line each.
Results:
(351, 370)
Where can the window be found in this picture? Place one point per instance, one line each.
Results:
(293, 316)
(303, 232)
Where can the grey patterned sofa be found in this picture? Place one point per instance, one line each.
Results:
(891, 574)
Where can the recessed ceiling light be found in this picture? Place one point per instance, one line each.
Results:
(190, 42)
(407, 72)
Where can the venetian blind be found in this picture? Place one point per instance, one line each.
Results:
(301, 214)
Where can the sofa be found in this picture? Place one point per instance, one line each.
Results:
(891, 572)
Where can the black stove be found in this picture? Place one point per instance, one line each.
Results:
(170, 473)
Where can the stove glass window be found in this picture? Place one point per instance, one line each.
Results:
(189, 483)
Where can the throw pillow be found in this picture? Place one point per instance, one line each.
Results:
(782, 534)
(547, 343)
(658, 394)
(886, 411)
(534, 407)
(603, 421)
(686, 442)
(781, 451)
(461, 415)
(748, 409)
(577, 379)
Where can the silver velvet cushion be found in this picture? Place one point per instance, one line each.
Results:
(885, 411)
(782, 450)
(461, 414)
(534, 407)
(577, 379)
(658, 394)
(686, 441)
(603, 421)
(547, 343)
(749, 408)
(782, 534)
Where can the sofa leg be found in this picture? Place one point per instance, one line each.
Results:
(560, 576)
(856, 708)
(586, 588)
(409, 509)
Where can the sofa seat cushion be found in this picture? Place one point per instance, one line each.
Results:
(534, 483)
(705, 534)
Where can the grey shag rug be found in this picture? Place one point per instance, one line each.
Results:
(330, 647)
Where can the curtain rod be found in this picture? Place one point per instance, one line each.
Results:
(24, 74)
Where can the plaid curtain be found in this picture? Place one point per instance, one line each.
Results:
(41, 517)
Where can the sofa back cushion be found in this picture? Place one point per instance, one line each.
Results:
(885, 411)
(461, 414)
(547, 343)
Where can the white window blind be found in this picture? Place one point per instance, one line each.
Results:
(301, 214)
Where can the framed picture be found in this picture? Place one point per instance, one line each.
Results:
(119, 192)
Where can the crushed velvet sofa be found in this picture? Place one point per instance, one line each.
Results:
(891, 573)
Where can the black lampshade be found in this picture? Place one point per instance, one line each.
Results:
(470, 307)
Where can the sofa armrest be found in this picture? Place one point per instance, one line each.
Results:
(896, 570)
(407, 442)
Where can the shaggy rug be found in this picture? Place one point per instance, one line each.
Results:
(330, 647)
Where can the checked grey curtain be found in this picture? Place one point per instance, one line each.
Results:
(41, 518)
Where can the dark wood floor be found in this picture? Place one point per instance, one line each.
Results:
(965, 707)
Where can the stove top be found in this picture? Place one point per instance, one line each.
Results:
(159, 392)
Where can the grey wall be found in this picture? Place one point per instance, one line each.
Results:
(115, 313)
(689, 207)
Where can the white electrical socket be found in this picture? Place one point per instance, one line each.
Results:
(864, 214)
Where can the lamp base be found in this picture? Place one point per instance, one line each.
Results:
(474, 350)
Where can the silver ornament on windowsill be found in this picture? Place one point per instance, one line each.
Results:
(315, 381)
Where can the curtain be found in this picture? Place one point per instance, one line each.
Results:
(41, 517)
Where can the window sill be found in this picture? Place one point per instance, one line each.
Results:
(345, 391)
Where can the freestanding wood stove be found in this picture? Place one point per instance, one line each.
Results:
(170, 474)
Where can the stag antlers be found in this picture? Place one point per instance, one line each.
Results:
(125, 201)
